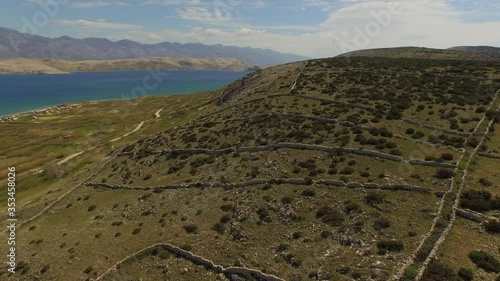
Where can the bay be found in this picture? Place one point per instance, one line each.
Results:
(25, 92)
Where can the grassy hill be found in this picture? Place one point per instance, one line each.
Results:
(458, 53)
(55, 66)
(359, 168)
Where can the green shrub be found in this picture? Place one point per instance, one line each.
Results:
(492, 226)
(485, 261)
(438, 271)
(410, 274)
(374, 198)
(444, 174)
(191, 228)
(447, 156)
(390, 245)
(308, 193)
(330, 216)
(225, 218)
(466, 274)
(218, 227)
(381, 223)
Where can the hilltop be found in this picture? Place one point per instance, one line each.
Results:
(55, 66)
(457, 53)
(14, 44)
(358, 168)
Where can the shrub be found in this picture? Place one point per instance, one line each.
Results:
(225, 218)
(410, 131)
(381, 223)
(476, 200)
(410, 274)
(447, 156)
(91, 208)
(297, 235)
(466, 274)
(287, 200)
(191, 228)
(444, 174)
(308, 193)
(218, 227)
(390, 245)
(227, 207)
(374, 198)
(438, 271)
(492, 226)
(330, 216)
(44, 269)
(485, 261)
(136, 231)
(485, 182)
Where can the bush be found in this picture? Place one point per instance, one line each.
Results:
(476, 200)
(438, 271)
(308, 193)
(381, 223)
(374, 198)
(410, 131)
(410, 274)
(287, 200)
(225, 218)
(492, 226)
(330, 216)
(447, 156)
(218, 227)
(444, 174)
(191, 228)
(136, 231)
(390, 245)
(91, 208)
(485, 261)
(466, 274)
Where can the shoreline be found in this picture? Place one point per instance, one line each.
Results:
(17, 114)
(108, 71)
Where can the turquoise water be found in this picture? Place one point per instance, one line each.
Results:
(24, 92)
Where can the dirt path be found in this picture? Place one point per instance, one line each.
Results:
(157, 113)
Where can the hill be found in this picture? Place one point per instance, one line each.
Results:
(424, 53)
(14, 44)
(359, 168)
(494, 51)
(55, 66)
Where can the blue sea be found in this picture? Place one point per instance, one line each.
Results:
(25, 92)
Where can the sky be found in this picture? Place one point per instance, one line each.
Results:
(313, 28)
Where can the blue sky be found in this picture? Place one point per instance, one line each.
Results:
(315, 28)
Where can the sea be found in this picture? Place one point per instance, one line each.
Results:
(26, 92)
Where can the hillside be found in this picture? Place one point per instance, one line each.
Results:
(54, 66)
(494, 51)
(331, 169)
(14, 44)
(425, 53)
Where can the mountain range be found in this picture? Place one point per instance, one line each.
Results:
(14, 44)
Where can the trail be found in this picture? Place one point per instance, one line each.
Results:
(157, 113)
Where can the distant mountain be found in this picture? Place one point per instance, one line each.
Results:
(424, 53)
(14, 44)
(494, 51)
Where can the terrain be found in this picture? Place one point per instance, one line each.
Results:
(14, 44)
(454, 53)
(56, 66)
(347, 168)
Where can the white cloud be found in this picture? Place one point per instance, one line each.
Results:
(94, 25)
(357, 24)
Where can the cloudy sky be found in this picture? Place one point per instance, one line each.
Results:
(314, 28)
